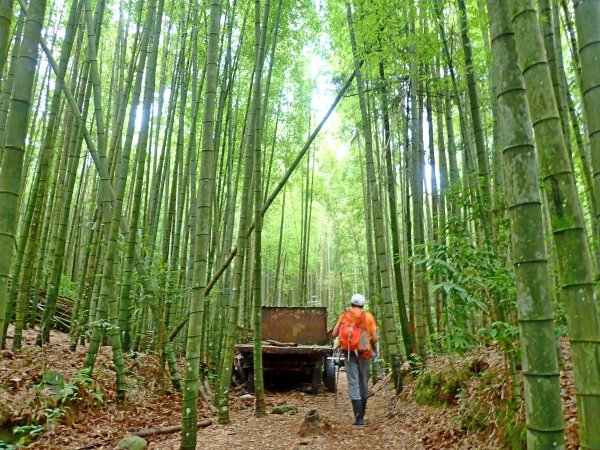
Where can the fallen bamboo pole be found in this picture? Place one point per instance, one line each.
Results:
(166, 430)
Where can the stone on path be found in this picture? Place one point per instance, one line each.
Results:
(132, 443)
(283, 409)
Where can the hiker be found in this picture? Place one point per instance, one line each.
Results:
(358, 335)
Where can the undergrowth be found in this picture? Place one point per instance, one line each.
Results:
(482, 398)
(34, 400)
(50, 400)
(443, 387)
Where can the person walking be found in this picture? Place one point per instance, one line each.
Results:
(357, 331)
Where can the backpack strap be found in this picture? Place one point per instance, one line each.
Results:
(349, 320)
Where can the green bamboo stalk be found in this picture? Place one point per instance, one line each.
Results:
(567, 221)
(407, 338)
(111, 217)
(80, 310)
(238, 269)
(382, 258)
(416, 165)
(7, 81)
(551, 43)
(193, 164)
(27, 248)
(14, 145)
(538, 345)
(482, 156)
(6, 12)
(143, 139)
(587, 15)
(179, 189)
(196, 315)
(261, 31)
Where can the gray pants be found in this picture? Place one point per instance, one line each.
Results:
(357, 374)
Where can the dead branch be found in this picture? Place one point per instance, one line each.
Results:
(166, 430)
(281, 344)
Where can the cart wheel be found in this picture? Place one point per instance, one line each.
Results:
(239, 375)
(329, 375)
(249, 379)
(316, 379)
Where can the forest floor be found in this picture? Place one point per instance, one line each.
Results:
(83, 414)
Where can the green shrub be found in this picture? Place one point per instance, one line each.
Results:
(440, 388)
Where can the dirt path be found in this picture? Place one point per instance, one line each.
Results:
(152, 404)
(283, 431)
(398, 423)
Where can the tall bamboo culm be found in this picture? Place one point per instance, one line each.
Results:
(538, 345)
(11, 172)
(567, 221)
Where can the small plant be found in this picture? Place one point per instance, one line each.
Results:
(68, 288)
(502, 332)
(28, 430)
(6, 446)
(472, 282)
(56, 396)
(135, 355)
(54, 416)
(23, 435)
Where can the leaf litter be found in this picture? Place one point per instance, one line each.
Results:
(96, 420)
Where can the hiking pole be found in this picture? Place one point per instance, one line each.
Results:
(336, 359)
(337, 378)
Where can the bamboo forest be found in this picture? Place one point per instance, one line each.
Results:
(193, 192)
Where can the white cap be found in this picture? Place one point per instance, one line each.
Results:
(358, 300)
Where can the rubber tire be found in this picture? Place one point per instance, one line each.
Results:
(316, 378)
(329, 375)
(240, 374)
(250, 379)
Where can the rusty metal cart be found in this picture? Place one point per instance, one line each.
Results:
(295, 340)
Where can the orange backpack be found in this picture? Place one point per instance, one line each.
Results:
(353, 334)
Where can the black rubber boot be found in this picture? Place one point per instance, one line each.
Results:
(359, 412)
(363, 409)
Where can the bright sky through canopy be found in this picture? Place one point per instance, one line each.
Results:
(323, 96)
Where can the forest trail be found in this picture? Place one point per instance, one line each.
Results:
(167, 162)
(384, 430)
(398, 423)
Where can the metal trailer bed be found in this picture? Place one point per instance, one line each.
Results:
(295, 340)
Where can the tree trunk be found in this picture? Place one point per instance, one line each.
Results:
(567, 221)
(538, 346)
(206, 186)
(587, 18)
(6, 12)
(11, 171)
(407, 337)
(382, 257)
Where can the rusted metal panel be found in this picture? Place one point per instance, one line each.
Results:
(316, 350)
(302, 325)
